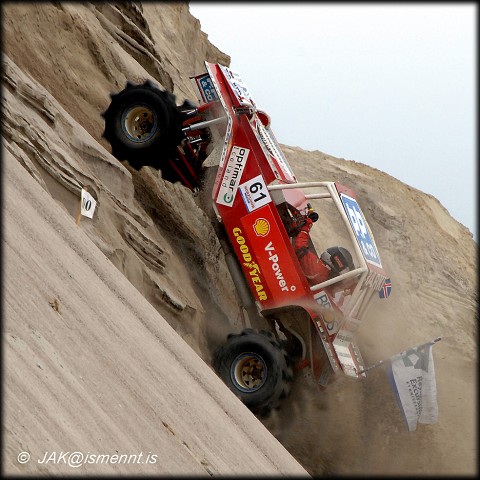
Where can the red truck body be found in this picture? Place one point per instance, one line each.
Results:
(253, 178)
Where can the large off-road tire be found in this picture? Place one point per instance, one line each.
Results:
(143, 125)
(256, 368)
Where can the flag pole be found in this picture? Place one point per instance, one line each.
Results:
(381, 362)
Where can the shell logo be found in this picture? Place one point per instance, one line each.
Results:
(328, 316)
(261, 227)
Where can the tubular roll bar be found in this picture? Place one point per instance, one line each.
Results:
(206, 123)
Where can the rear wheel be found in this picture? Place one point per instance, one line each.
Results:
(256, 368)
(144, 126)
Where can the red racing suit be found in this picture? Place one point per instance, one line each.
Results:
(314, 268)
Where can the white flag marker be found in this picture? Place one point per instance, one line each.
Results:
(412, 377)
(87, 205)
(414, 386)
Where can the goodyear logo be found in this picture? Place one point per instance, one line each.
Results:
(261, 227)
(252, 267)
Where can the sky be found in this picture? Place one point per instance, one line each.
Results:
(390, 85)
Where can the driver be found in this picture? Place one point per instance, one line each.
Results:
(334, 261)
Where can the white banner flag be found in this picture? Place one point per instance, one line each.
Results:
(88, 204)
(412, 375)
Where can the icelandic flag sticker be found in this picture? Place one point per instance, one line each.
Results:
(385, 291)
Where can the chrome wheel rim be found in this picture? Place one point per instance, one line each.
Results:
(139, 123)
(249, 372)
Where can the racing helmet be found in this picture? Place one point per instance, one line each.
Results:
(338, 259)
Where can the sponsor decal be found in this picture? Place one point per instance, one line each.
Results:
(261, 227)
(252, 267)
(328, 313)
(212, 75)
(232, 174)
(238, 85)
(206, 88)
(323, 300)
(328, 316)
(274, 259)
(255, 193)
(362, 234)
(272, 253)
(272, 147)
(344, 337)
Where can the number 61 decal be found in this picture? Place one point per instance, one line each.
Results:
(255, 193)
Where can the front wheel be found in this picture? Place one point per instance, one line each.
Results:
(143, 125)
(256, 368)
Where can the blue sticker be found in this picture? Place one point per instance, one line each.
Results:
(359, 226)
(206, 85)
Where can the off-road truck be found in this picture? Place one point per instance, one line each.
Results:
(258, 208)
